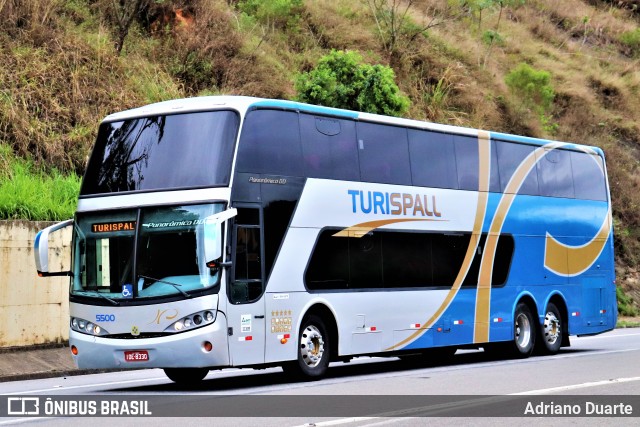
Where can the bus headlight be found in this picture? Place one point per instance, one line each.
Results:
(85, 327)
(193, 321)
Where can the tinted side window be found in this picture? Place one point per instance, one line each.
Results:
(329, 148)
(588, 176)
(433, 159)
(406, 259)
(270, 144)
(384, 154)
(365, 261)
(399, 260)
(448, 253)
(467, 162)
(510, 155)
(329, 266)
(554, 174)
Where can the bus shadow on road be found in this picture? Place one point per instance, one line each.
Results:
(242, 380)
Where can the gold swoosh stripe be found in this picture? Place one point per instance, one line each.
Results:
(559, 258)
(565, 260)
(363, 228)
(484, 172)
(483, 299)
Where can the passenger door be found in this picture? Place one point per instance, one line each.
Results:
(246, 312)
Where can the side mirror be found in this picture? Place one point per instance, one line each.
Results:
(213, 237)
(41, 248)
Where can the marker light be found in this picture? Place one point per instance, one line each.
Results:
(74, 350)
(207, 346)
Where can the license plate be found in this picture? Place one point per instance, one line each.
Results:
(136, 356)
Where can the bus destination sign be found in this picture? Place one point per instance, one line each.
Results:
(106, 227)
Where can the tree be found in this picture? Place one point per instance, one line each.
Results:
(342, 80)
(121, 13)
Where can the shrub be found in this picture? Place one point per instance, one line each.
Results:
(341, 80)
(274, 13)
(625, 304)
(532, 86)
(631, 39)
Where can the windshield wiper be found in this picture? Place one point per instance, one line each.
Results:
(175, 285)
(114, 302)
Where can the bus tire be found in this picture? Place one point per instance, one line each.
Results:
(186, 375)
(313, 350)
(524, 331)
(551, 330)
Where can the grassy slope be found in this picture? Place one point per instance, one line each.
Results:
(60, 73)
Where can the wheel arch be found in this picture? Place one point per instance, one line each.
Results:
(323, 310)
(528, 299)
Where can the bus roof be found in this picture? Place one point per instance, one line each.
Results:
(246, 103)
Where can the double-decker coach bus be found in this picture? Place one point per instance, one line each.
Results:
(233, 231)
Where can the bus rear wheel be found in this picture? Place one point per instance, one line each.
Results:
(313, 350)
(186, 375)
(551, 330)
(524, 331)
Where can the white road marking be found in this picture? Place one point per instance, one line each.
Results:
(576, 386)
(338, 422)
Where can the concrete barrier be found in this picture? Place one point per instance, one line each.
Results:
(33, 310)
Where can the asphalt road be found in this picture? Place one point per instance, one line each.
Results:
(603, 369)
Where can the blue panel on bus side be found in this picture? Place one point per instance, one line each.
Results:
(314, 109)
(530, 215)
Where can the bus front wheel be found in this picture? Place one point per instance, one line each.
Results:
(313, 350)
(524, 331)
(186, 375)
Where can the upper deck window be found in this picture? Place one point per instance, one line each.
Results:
(162, 152)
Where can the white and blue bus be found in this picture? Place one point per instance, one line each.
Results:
(233, 231)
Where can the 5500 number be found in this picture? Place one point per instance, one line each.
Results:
(105, 317)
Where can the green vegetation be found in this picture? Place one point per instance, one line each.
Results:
(29, 193)
(532, 87)
(341, 80)
(534, 92)
(68, 63)
(625, 304)
(631, 39)
(628, 324)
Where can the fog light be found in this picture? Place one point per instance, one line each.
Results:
(74, 350)
(207, 346)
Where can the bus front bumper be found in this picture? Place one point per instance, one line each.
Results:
(182, 350)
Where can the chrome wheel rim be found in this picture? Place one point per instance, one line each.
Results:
(311, 346)
(552, 329)
(523, 331)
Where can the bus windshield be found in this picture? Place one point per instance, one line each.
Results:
(169, 259)
(162, 152)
